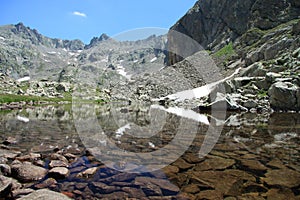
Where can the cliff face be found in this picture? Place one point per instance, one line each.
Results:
(215, 23)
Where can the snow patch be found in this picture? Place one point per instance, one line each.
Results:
(26, 78)
(153, 59)
(151, 144)
(196, 92)
(23, 119)
(122, 72)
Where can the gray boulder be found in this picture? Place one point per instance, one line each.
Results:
(225, 102)
(283, 96)
(45, 194)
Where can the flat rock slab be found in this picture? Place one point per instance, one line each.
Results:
(214, 163)
(283, 177)
(166, 186)
(45, 194)
(58, 163)
(253, 165)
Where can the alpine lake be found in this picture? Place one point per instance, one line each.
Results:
(114, 151)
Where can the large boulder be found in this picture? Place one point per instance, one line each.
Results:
(45, 195)
(27, 172)
(283, 96)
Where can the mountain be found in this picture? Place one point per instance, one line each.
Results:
(215, 23)
(25, 52)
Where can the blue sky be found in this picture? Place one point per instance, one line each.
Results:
(84, 19)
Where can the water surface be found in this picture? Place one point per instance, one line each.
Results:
(247, 160)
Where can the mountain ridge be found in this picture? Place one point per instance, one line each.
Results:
(25, 51)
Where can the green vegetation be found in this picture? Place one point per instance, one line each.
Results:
(226, 52)
(9, 98)
(262, 94)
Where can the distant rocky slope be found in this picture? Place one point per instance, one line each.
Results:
(25, 52)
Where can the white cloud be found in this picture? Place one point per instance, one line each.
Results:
(79, 14)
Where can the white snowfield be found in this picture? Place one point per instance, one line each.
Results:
(196, 92)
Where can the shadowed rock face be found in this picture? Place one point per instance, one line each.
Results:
(213, 23)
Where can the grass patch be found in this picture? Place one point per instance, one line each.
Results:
(9, 98)
(262, 94)
(226, 52)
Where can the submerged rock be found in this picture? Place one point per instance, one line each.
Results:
(5, 186)
(26, 172)
(59, 172)
(283, 177)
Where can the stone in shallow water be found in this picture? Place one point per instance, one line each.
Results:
(126, 177)
(182, 164)
(214, 163)
(210, 195)
(191, 188)
(192, 158)
(166, 186)
(282, 177)
(45, 195)
(276, 163)
(90, 171)
(56, 156)
(8, 154)
(103, 188)
(134, 192)
(5, 186)
(185, 196)
(21, 192)
(26, 172)
(226, 182)
(253, 165)
(280, 194)
(116, 195)
(254, 187)
(46, 183)
(57, 163)
(5, 169)
(59, 172)
(170, 169)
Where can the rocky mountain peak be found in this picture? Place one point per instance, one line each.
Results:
(95, 40)
(103, 37)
